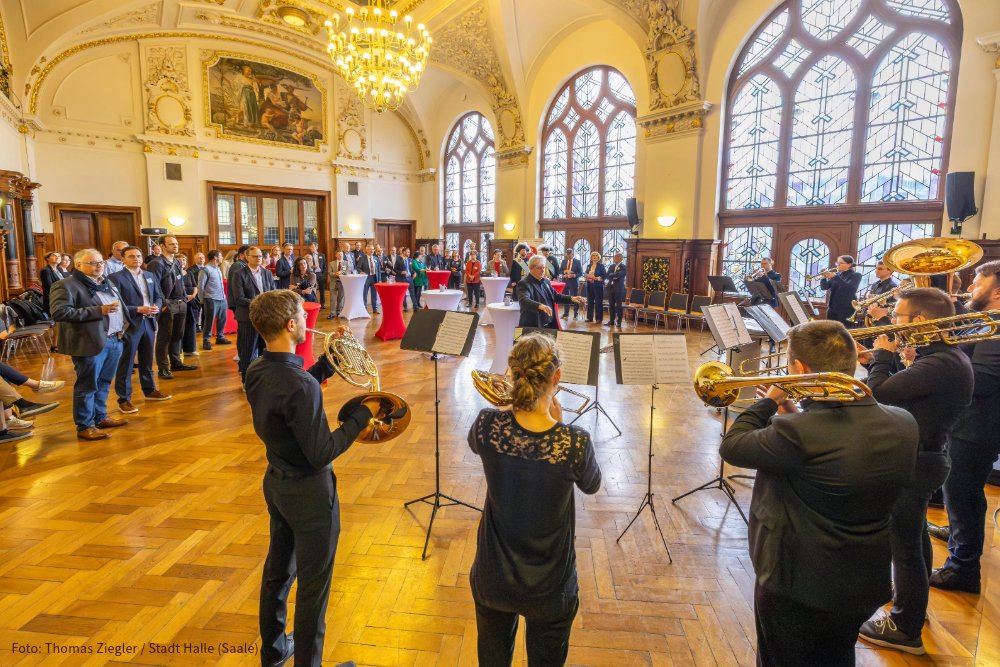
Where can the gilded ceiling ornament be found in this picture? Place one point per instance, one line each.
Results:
(352, 141)
(466, 45)
(268, 11)
(168, 98)
(150, 14)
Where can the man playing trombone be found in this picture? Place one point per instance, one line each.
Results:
(842, 285)
(827, 477)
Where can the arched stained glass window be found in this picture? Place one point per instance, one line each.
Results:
(581, 251)
(744, 248)
(808, 258)
(588, 161)
(470, 172)
(842, 102)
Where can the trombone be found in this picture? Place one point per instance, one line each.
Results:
(352, 362)
(865, 304)
(718, 387)
(497, 389)
(952, 330)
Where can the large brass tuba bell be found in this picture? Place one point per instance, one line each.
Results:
(353, 363)
(923, 258)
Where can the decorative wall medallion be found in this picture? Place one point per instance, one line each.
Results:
(655, 274)
(148, 15)
(168, 99)
(352, 140)
(252, 99)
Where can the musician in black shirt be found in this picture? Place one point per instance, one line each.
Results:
(525, 560)
(843, 287)
(879, 313)
(300, 488)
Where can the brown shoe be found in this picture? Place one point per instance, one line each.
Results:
(91, 433)
(111, 422)
(127, 408)
(157, 395)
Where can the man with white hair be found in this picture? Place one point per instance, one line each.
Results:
(537, 297)
(92, 325)
(115, 263)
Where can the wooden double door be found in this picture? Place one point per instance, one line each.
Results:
(398, 233)
(95, 227)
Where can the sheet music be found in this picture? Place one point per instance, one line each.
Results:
(796, 307)
(724, 325)
(575, 352)
(653, 359)
(634, 360)
(736, 317)
(452, 334)
(776, 319)
(671, 359)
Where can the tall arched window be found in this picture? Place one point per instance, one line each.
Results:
(840, 114)
(470, 172)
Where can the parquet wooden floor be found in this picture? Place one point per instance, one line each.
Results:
(157, 536)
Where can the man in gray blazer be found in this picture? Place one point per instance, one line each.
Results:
(92, 325)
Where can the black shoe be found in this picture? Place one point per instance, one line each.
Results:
(882, 631)
(938, 532)
(947, 579)
(182, 367)
(330, 316)
(24, 408)
(165, 374)
(287, 655)
(206, 344)
(565, 317)
(223, 341)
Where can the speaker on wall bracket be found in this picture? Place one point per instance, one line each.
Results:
(632, 210)
(960, 198)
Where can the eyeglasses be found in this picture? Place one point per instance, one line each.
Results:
(94, 263)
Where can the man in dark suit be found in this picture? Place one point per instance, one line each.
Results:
(552, 270)
(975, 447)
(843, 287)
(248, 282)
(283, 269)
(569, 272)
(91, 327)
(827, 478)
(319, 268)
(616, 290)
(173, 313)
(934, 389)
(435, 262)
(399, 267)
(537, 298)
(370, 265)
(142, 299)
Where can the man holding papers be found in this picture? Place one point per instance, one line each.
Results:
(537, 298)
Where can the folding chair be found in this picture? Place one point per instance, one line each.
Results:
(678, 308)
(12, 336)
(634, 302)
(655, 306)
(696, 313)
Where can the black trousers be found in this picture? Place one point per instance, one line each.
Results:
(548, 624)
(473, 292)
(189, 342)
(965, 500)
(572, 289)
(305, 527)
(169, 335)
(321, 288)
(595, 301)
(616, 305)
(138, 340)
(249, 346)
(790, 634)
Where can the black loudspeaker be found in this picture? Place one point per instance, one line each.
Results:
(153, 231)
(632, 210)
(960, 198)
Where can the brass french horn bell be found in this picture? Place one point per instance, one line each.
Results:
(353, 363)
(497, 388)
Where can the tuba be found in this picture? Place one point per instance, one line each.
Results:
(352, 362)
(497, 388)
(718, 387)
(923, 258)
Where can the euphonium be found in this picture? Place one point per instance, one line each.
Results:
(353, 363)
(497, 388)
(717, 386)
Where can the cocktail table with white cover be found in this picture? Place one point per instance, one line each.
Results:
(354, 296)
(442, 299)
(505, 319)
(494, 287)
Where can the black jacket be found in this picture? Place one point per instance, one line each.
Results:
(530, 294)
(615, 280)
(843, 290)
(517, 273)
(435, 262)
(371, 266)
(49, 277)
(575, 268)
(168, 274)
(83, 329)
(980, 422)
(283, 271)
(244, 289)
(827, 478)
(132, 297)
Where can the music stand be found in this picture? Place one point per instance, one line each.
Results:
(758, 293)
(793, 307)
(723, 285)
(439, 332)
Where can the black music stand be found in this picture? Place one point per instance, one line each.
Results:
(422, 336)
(723, 285)
(758, 293)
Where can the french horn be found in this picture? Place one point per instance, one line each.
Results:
(497, 389)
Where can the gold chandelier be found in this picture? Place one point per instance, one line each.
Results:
(381, 61)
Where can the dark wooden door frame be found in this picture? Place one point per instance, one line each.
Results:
(57, 209)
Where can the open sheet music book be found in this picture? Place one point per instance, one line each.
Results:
(727, 326)
(646, 359)
(579, 353)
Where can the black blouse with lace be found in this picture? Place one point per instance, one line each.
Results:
(525, 546)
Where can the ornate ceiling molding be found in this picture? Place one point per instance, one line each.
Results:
(991, 44)
(352, 135)
(466, 45)
(168, 98)
(513, 158)
(148, 15)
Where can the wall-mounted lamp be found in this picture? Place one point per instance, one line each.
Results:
(667, 220)
(509, 226)
(176, 221)
(353, 227)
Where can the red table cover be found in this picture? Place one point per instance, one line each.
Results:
(391, 295)
(305, 348)
(438, 278)
(558, 286)
(231, 317)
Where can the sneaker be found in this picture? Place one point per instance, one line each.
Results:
(882, 631)
(223, 341)
(157, 395)
(949, 579)
(24, 408)
(206, 344)
(14, 436)
(48, 386)
(126, 408)
(15, 424)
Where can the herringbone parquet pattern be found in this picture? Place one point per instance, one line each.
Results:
(153, 541)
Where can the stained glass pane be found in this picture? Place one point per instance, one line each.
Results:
(558, 106)
(451, 240)
(581, 250)
(766, 41)
(484, 246)
(486, 128)
(826, 18)
(270, 215)
(753, 151)
(248, 221)
(620, 88)
(588, 87)
(291, 220)
(874, 240)
(453, 140)
(809, 257)
(619, 172)
(586, 171)
(793, 56)
(310, 220)
(554, 175)
(927, 9)
(744, 247)
(467, 247)
(908, 115)
(487, 187)
(869, 36)
(556, 240)
(470, 128)
(225, 216)
(822, 130)
(470, 175)
(452, 173)
(612, 241)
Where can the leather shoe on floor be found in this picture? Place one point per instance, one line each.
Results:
(91, 433)
(183, 367)
(947, 579)
(111, 422)
(287, 655)
(223, 341)
(206, 344)
(158, 395)
(938, 532)
(127, 408)
(166, 375)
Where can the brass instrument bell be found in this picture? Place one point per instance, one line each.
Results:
(718, 386)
